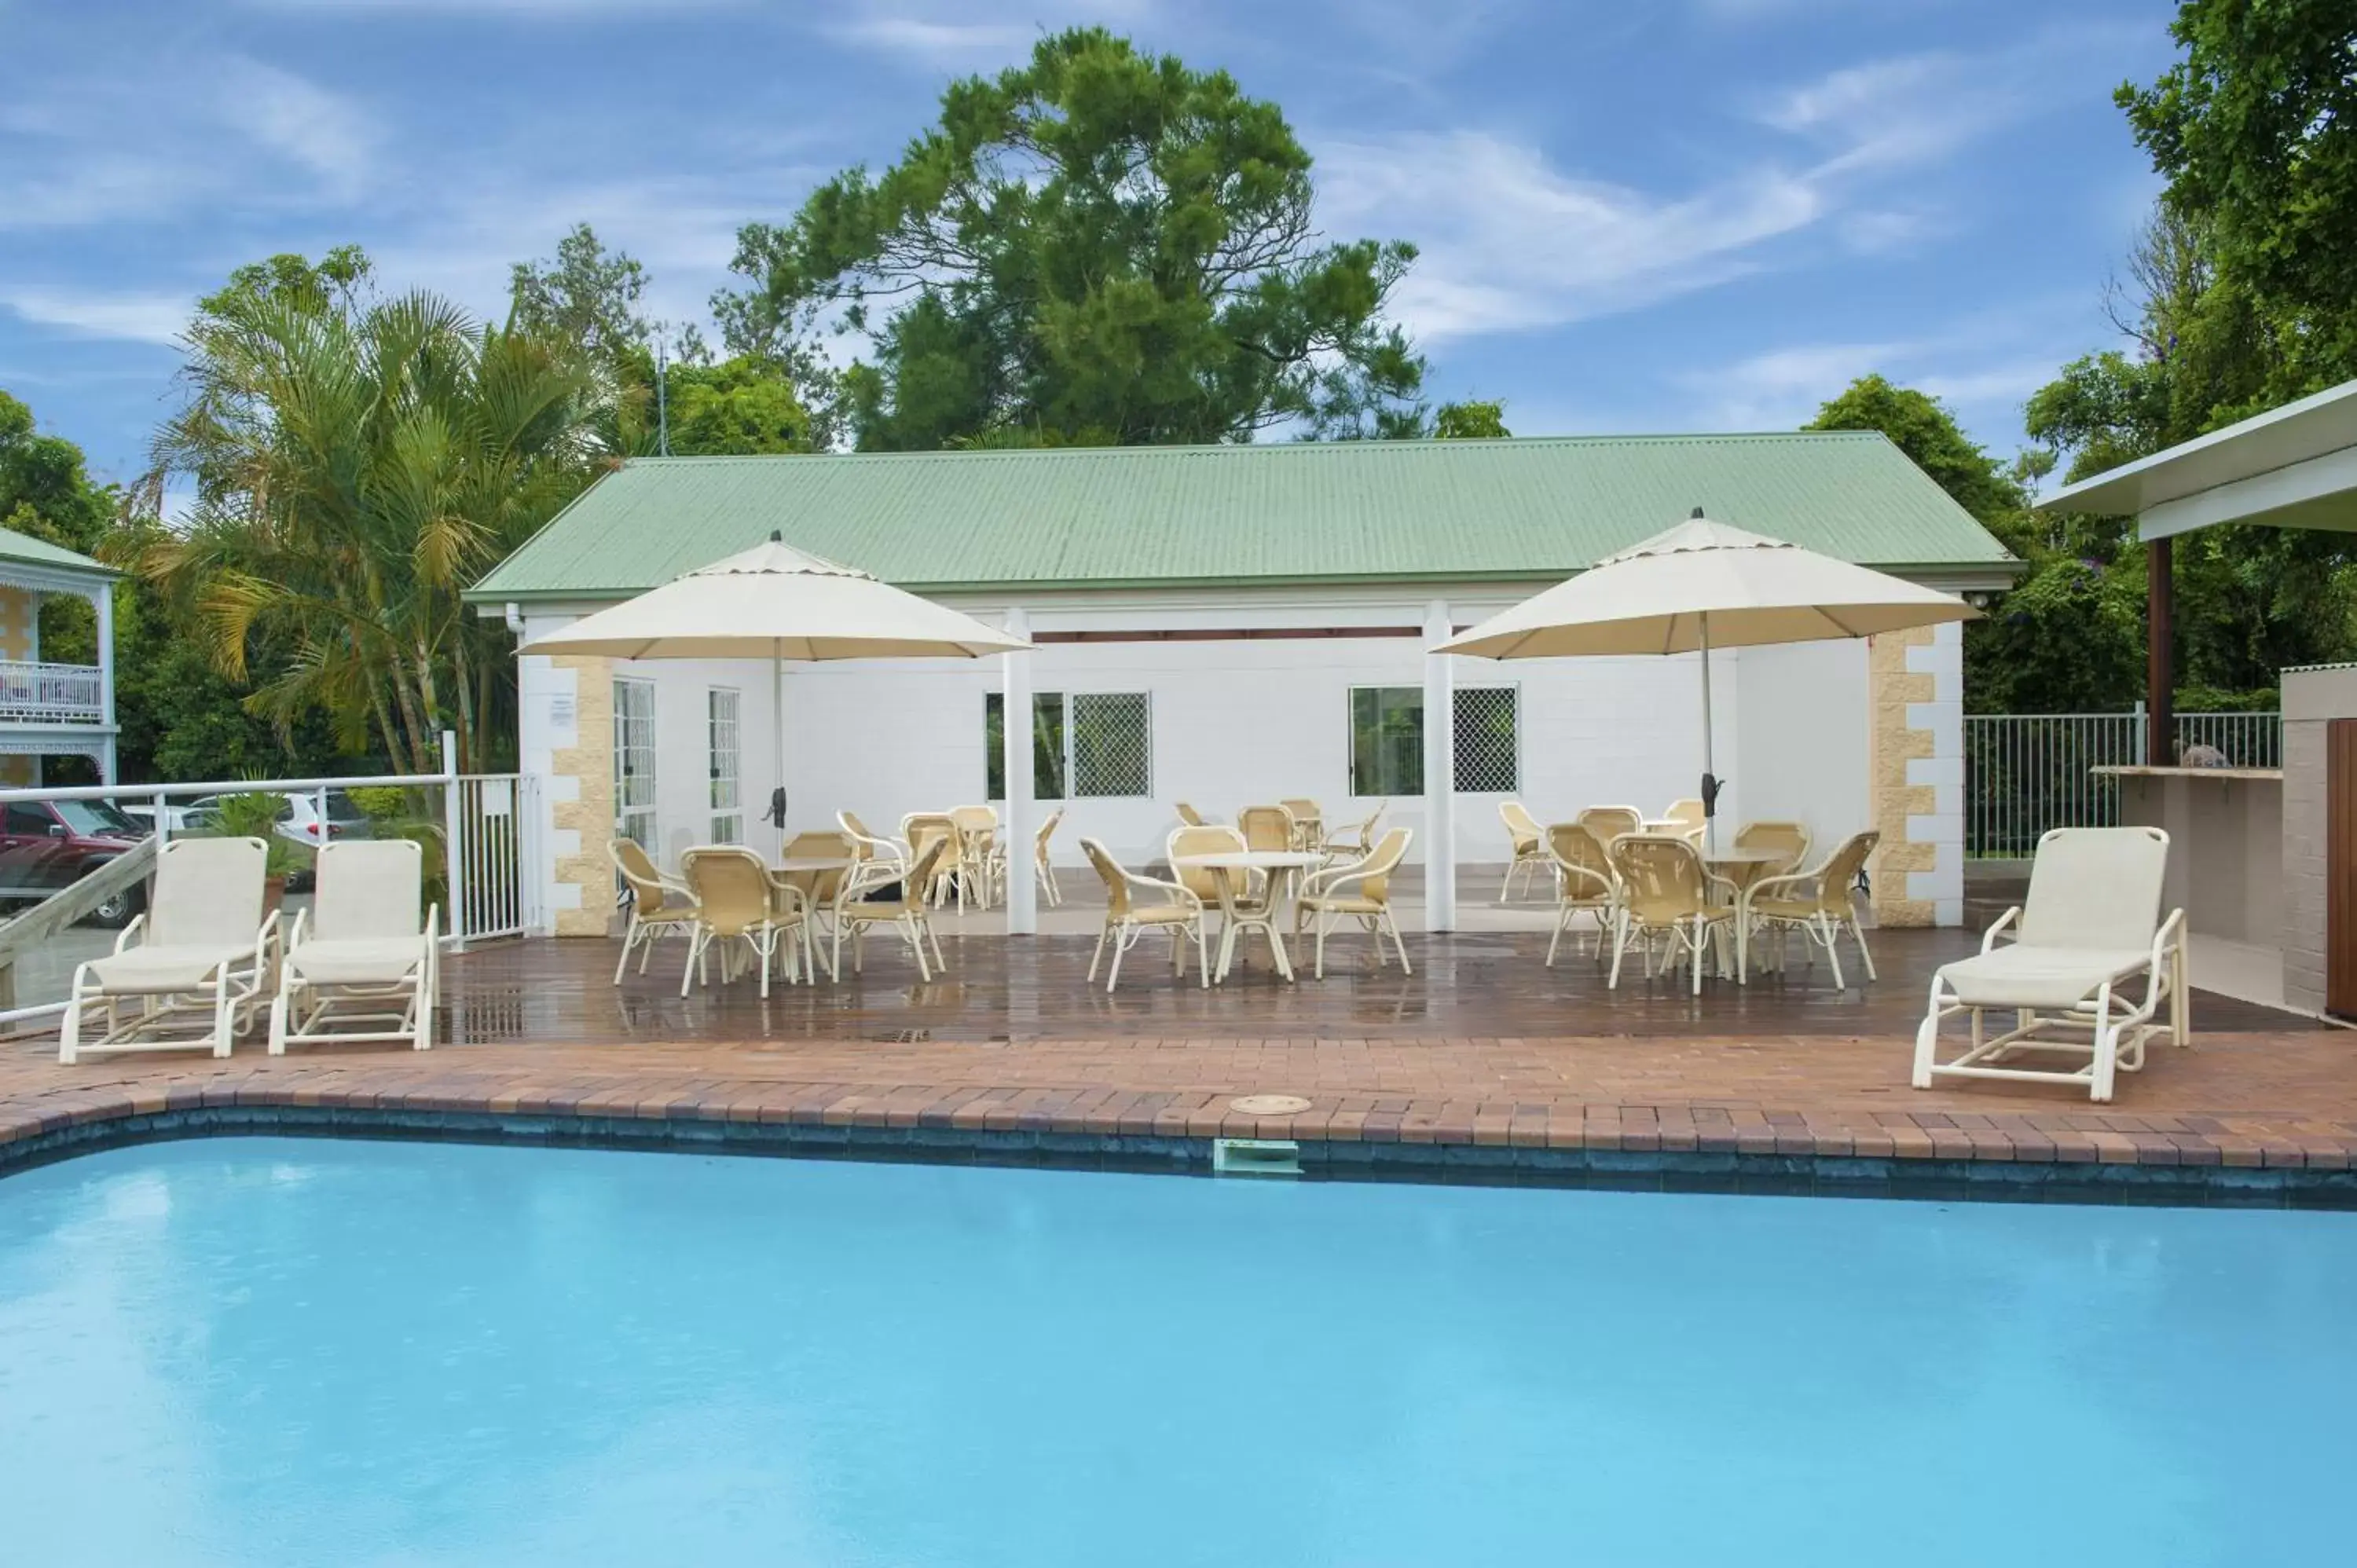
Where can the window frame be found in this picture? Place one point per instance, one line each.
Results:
(1352, 778)
(1052, 711)
(727, 815)
(633, 819)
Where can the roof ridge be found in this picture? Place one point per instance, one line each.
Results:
(1241, 449)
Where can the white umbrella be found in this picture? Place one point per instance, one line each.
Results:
(1700, 585)
(776, 603)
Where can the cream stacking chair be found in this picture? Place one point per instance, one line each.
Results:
(1042, 867)
(867, 845)
(1265, 827)
(1360, 893)
(1135, 904)
(1584, 883)
(1251, 904)
(363, 962)
(1608, 822)
(2090, 927)
(1528, 852)
(818, 887)
(1788, 841)
(1188, 816)
(737, 904)
(1360, 841)
(195, 961)
(1665, 891)
(1819, 904)
(1308, 825)
(658, 904)
(1689, 816)
(981, 856)
(862, 901)
(918, 830)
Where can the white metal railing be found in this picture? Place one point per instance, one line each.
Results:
(51, 693)
(2026, 773)
(486, 827)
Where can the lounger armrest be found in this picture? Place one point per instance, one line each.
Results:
(2172, 932)
(2009, 918)
(300, 928)
(123, 938)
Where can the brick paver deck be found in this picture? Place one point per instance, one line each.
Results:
(540, 1038)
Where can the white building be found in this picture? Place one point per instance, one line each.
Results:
(1235, 624)
(48, 708)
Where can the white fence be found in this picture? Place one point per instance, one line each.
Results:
(2025, 773)
(481, 833)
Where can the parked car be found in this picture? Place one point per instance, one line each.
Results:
(180, 816)
(49, 844)
(300, 818)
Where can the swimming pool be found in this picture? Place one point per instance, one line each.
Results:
(287, 1351)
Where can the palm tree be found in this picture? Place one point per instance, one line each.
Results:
(356, 465)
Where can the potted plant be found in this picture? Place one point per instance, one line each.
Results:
(255, 814)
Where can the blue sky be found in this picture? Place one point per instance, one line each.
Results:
(1641, 215)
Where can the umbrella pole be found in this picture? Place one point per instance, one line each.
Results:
(777, 733)
(1709, 784)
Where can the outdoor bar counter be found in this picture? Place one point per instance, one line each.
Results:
(2225, 844)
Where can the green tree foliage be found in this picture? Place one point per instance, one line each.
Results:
(357, 462)
(2254, 131)
(1100, 244)
(1473, 421)
(2068, 637)
(46, 492)
(586, 296)
(740, 406)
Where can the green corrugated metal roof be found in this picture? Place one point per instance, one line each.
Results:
(16, 546)
(1297, 512)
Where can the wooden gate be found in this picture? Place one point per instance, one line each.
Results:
(2341, 867)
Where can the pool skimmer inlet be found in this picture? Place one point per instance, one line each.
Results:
(1255, 1157)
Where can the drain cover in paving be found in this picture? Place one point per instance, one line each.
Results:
(1269, 1104)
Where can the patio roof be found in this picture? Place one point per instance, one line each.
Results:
(2294, 467)
(1529, 510)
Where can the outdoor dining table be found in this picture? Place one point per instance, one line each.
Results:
(1281, 864)
(793, 862)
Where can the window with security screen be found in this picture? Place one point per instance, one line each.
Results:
(726, 763)
(1387, 740)
(1111, 739)
(1088, 743)
(1488, 740)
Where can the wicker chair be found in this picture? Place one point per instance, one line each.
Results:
(1529, 847)
(1358, 841)
(919, 829)
(658, 904)
(1787, 841)
(1819, 904)
(738, 905)
(1360, 893)
(1135, 904)
(1666, 893)
(1692, 819)
(1249, 904)
(982, 857)
(1265, 827)
(863, 901)
(1189, 817)
(818, 888)
(1584, 883)
(1041, 866)
(1608, 822)
(1308, 825)
(867, 845)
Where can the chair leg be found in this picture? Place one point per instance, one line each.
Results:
(1398, 944)
(1562, 919)
(1319, 967)
(1829, 934)
(1097, 957)
(1864, 951)
(916, 934)
(695, 941)
(1620, 946)
(1202, 954)
(1120, 946)
(629, 941)
(1701, 941)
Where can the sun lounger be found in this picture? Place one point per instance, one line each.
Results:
(194, 964)
(363, 962)
(2090, 929)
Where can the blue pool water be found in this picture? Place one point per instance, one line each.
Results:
(299, 1352)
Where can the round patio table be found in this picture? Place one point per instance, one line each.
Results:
(1282, 865)
(1741, 867)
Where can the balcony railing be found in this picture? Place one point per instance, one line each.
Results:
(51, 693)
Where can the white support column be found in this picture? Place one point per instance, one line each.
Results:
(1022, 893)
(102, 601)
(1439, 774)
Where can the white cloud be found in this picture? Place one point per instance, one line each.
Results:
(910, 34)
(1782, 389)
(494, 7)
(298, 121)
(1510, 243)
(968, 32)
(141, 317)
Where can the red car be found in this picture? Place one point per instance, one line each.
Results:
(49, 844)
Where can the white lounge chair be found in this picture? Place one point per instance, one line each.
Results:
(363, 962)
(2089, 927)
(188, 960)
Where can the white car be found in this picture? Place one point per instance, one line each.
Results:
(300, 818)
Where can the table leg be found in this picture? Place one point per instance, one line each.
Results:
(1280, 894)
(1227, 921)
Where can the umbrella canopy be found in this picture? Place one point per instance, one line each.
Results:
(776, 602)
(1702, 584)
